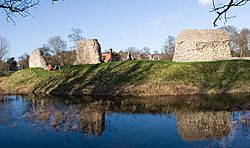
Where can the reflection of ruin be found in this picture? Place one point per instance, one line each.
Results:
(87, 115)
(92, 120)
(88, 118)
(203, 125)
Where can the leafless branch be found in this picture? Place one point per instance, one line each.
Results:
(18, 7)
(222, 10)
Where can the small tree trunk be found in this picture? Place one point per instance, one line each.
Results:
(241, 51)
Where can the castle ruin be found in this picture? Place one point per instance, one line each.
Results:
(36, 59)
(88, 52)
(202, 45)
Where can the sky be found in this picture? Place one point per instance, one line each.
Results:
(117, 24)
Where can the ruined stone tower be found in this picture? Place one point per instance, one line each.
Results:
(88, 52)
(202, 45)
(36, 59)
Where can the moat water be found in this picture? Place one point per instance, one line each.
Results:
(183, 121)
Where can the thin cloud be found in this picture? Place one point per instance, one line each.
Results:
(161, 20)
(155, 22)
(205, 2)
(175, 16)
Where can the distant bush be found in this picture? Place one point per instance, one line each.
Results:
(23, 62)
(3, 66)
(62, 59)
(12, 64)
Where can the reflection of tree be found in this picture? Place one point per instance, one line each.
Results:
(92, 119)
(203, 125)
(165, 104)
(70, 117)
(240, 120)
(87, 115)
(244, 124)
(4, 112)
(9, 112)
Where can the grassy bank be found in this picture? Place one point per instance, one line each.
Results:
(135, 78)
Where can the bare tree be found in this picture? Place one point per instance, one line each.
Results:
(156, 52)
(133, 50)
(12, 8)
(222, 9)
(243, 41)
(75, 36)
(62, 59)
(169, 45)
(145, 50)
(3, 47)
(59, 56)
(248, 39)
(169, 48)
(20, 7)
(233, 36)
(45, 50)
(56, 44)
(239, 40)
(3, 66)
(23, 61)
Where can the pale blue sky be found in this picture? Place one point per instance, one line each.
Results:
(117, 24)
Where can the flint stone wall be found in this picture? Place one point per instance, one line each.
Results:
(202, 45)
(37, 60)
(88, 52)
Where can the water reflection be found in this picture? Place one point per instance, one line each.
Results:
(198, 118)
(203, 125)
(240, 120)
(67, 116)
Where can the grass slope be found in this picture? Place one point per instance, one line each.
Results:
(134, 78)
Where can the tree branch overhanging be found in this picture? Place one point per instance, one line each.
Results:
(18, 7)
(222, 9)
(14, 7)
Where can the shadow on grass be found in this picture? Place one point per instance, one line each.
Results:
(102, 78)
(115, 78)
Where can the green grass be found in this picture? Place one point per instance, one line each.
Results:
(116, 75)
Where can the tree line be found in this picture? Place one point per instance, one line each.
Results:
(239, 44)
(239, 41)
(57, 52)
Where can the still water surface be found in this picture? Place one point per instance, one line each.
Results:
(184, 121)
